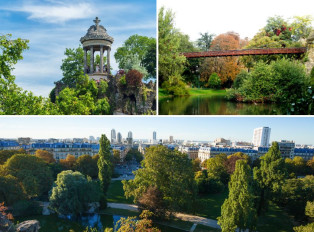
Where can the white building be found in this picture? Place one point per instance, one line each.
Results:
(154, 136)
(261, 137)
(119, 138)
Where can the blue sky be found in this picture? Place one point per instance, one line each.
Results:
(299, 129)
(51, 26)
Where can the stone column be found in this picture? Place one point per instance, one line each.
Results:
(91, 60)
(101, 59)
(108, 60)
(85, 60)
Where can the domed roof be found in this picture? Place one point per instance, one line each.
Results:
(96, 32)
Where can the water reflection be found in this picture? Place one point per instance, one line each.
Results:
(208, 105)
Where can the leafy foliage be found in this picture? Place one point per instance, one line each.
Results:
(11, 190)
(72, 193)
(45, 156)
(32, 172)
(143, 48)
(171, 62)
(205, 41)
(227, 68)
(130, 224)
(214, 81)
(87, 165)
(238, 209)
(168, 171)
(134, 79)
(270, 176)
(281, 81)
(104, 164)
(295, 194)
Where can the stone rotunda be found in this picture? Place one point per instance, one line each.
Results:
(97, 39)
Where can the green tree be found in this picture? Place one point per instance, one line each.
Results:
(86, 165)
(295, 194)
(72, 193)
(72, 66)
(32, 172)
(238, 209)
(104, 164)
(270, 176)
(168, 171)
(11, 190)
(216, 166)
(171, 62)
(13, 99)
(301, 27)
(141, 46)
(11, 53)
(309, 211)
(205, 41)
(131, 225)
(6, 154)
(214, 81)
(116, 155)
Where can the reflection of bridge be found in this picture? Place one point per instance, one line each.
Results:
(246, 52)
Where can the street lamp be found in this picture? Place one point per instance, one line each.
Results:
(197, 71)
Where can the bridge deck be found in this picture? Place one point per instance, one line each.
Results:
(246, 52)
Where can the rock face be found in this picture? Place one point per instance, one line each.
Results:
(132, 101)
(28, 226)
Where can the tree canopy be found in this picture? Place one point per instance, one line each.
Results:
(72, 193)
(170, 172)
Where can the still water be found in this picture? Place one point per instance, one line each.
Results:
(53, 223)
(212, 105)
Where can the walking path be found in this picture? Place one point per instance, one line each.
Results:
(184, 217)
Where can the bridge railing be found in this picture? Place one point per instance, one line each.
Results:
(246, 52)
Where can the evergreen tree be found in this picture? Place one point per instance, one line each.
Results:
(270, 176)
(238, 209)
(104, 163)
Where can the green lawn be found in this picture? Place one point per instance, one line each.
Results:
(209, 205)
(116, 194)
(211, 92)
(196, 91)
(275, 220)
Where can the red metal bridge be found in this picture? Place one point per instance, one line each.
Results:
(246, 52)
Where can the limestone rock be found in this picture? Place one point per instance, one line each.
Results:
(28, 226)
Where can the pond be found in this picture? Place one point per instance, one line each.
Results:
(212, 105)
(53, 223)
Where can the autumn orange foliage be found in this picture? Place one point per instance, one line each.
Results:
(227, 68)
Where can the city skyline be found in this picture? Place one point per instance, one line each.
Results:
(298, 129)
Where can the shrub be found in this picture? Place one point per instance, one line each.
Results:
(214, 81)
(175, 86)
(122, 80)
(134, 78)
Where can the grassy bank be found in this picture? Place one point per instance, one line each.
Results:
(115, 193)
(196, 92)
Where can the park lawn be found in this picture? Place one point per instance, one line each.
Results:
(275, 219)
(115, 193)
(196, 92)
(209, 206)
(162, 93)
(208, 92)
